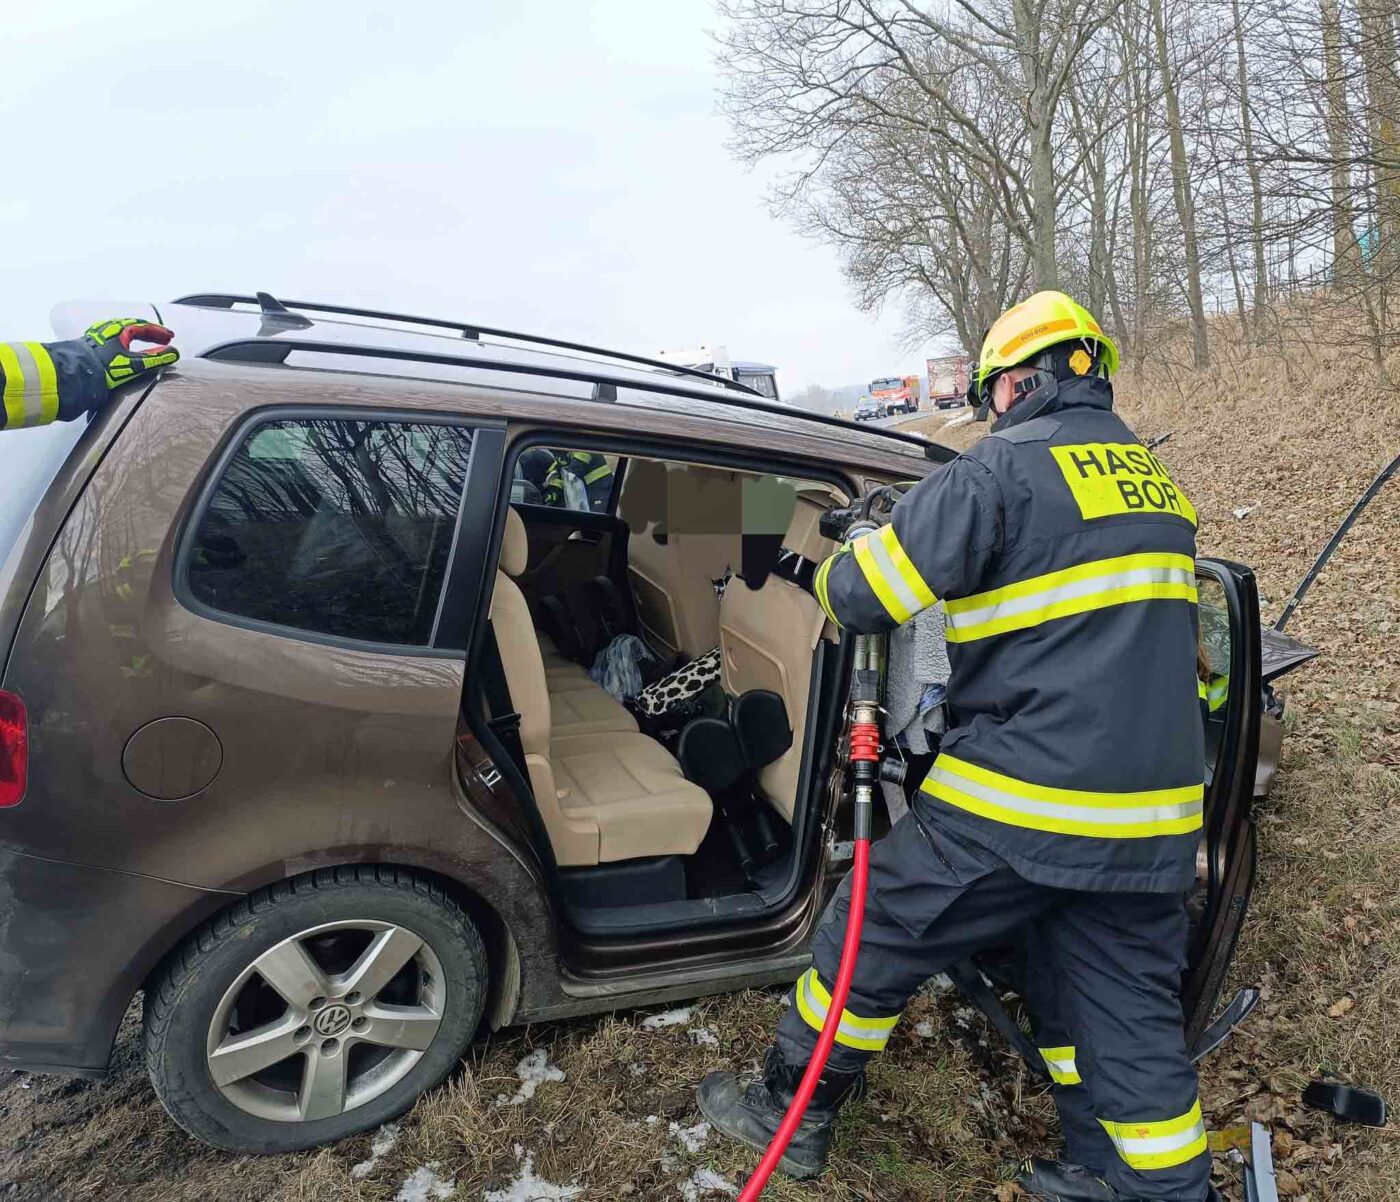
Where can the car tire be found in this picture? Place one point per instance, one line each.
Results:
(212, 1011)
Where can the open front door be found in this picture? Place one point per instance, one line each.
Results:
(1231, 700)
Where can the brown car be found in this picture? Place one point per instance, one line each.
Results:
(298, 737)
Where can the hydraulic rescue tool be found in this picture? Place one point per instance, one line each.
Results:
(863, 751)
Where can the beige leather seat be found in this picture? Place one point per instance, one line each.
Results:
(603, 796)
(686, 523)
(577, 706)
(767, 638)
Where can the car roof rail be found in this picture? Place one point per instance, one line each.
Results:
(605, 385)
(271, 306)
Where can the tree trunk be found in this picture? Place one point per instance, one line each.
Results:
(1256, 190)
(1344, 248)
(1098, 232)
(1138, 135)
(1378, 52)
(1040, 117)
(1181, 191)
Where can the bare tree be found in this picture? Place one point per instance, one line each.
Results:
(1158, 158)
(805, 78)
(1181, 187)
(1251, 163)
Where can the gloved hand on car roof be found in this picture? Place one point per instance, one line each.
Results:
(42, 382)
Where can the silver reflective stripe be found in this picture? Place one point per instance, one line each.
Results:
(1152, 1144)
(33, 389)
(1099, 815)
(897, 585)
(1069, 592)
(876, 1031)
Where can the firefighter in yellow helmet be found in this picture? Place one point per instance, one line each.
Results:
(43, 382)
(1066, 800)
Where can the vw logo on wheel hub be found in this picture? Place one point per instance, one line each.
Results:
(332, 1020)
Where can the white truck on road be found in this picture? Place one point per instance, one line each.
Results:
(761, 377)
(947, 381)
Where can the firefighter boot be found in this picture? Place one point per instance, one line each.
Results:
(1060, 1181)
(750, 1109)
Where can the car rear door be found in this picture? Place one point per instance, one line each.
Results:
(1228, 606)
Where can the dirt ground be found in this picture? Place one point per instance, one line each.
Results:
(1273, 455)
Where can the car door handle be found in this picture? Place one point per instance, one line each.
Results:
(591, 537)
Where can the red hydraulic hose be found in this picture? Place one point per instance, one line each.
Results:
(817, 1065)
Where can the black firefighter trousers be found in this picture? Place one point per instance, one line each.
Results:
(1103, 988)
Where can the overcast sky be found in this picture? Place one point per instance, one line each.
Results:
(552, 165)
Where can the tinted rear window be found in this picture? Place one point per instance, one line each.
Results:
(29, 460)
(335, 527)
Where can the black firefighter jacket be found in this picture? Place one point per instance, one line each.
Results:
(1065, 556)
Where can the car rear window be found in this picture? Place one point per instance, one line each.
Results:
(335, 527)
(29, 460)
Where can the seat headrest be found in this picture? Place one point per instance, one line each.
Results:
(515, 547)
(804, 531)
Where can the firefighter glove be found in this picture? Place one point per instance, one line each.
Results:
(111, 342)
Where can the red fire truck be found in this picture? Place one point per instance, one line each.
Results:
(896, 394)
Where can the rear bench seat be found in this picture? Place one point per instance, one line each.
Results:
(577, 705)
(603, 795)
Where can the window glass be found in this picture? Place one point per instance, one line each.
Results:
(1213, 664)
(334, 526)
(563, 479)
(763, 383)
(29, 460)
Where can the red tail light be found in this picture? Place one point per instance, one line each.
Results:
(14, 749)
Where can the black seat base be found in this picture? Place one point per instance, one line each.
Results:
(723, 756)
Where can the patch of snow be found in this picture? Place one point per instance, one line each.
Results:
(692, 1139)
(530, 1188)
(964, 1015)
(384, 1139)
(669, 1018)
(425, 1184)
(942, 983)
(704, 1037)
(706, 1181)
(533, 1072)
(924, 1029)
(1245, 510)
(651, 1120)
(637, 1070)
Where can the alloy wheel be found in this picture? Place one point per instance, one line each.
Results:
(326, 1020)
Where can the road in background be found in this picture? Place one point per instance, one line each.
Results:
(902, 419)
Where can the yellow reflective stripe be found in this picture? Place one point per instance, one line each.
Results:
(1099, 584)
(1136, 815)
(48, 382)
(814, 1003)
(891, 574)
(878, 582)
(598, 473)
(14, 386)
(1216, 693)
(1060, 1062)
(905, 566)
(819, 585)
(1161, 1145)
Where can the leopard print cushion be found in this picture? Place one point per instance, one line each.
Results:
(680, 686)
